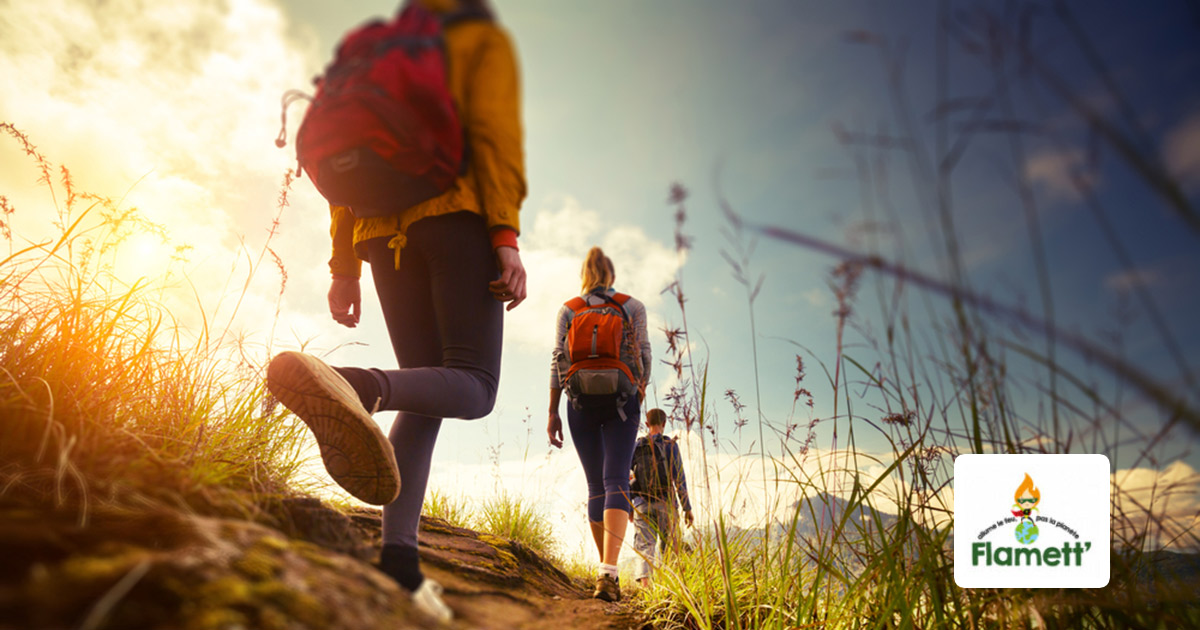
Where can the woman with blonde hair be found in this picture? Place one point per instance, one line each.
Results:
(602, 360)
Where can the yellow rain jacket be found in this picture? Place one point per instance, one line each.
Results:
(482, 73)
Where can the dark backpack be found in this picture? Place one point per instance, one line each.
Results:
(600, 349)
(650, 477)
(382, 133)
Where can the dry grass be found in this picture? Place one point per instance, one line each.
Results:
(104, 399)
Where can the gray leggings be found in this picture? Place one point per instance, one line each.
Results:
(446, 330)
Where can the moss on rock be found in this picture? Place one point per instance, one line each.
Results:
(295, 603)
(216, 619)
(223, 592)
(262, 560)
(505, 558)
(100, 569)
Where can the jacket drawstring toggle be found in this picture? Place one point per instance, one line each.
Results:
(397, 243)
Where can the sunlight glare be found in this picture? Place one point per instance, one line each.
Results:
(142, 256)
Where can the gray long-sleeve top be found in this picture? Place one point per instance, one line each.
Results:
(637, 320)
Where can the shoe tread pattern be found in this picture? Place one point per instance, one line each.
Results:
(355, 452)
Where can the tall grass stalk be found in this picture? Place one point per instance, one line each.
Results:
(450, 508)
(508, 516)
(105, 399)
(859, 549)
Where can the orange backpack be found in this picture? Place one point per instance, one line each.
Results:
(601, 349)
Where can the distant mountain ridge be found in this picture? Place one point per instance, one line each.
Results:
(814, 515)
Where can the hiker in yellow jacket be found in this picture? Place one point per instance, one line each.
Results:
(443, 270)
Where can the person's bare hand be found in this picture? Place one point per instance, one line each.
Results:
(510, 287)
(554, 430)
(345, 300)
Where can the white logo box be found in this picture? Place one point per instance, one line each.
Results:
(1067, 505)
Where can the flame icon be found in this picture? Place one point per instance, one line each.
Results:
(1026, 500)
(1027, 495)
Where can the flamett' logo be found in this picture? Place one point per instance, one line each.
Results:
(1049, 551)
(1027, 516)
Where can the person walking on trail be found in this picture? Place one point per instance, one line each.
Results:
(443, 270)
(602, 360)
(659, 485)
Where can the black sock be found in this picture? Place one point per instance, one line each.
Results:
(364, 384)
(403, 565)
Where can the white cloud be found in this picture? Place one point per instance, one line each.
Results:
(1054, 173)
(176, 105)
(1181, 151)
(553, 251)
(666, 380)
(988, 247)
(566, 227)
(816, 297)
(1159, 508)
(752, 493)
(1128, 280)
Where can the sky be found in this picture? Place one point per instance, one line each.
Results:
(173, 108)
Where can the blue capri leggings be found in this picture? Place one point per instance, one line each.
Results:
(605, 445)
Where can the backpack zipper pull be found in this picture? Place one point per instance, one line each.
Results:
(595, 334)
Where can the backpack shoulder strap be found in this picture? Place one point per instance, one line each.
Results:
(618, 300)
(639, 444)
(580, 302)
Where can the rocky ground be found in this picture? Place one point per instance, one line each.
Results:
(155, 567)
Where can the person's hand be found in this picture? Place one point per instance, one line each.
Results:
(510, 287)
(345, 300)
(689, 518)
(554, 430)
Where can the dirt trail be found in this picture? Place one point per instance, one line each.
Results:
(492, 583)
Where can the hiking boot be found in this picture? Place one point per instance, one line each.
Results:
(607, 589)
(354, 449)
(428, 599)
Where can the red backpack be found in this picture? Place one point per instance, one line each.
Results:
(601, 349)
(382, 133)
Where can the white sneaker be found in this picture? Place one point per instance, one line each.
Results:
(428, 599)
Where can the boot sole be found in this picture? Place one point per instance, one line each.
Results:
(355, 452)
